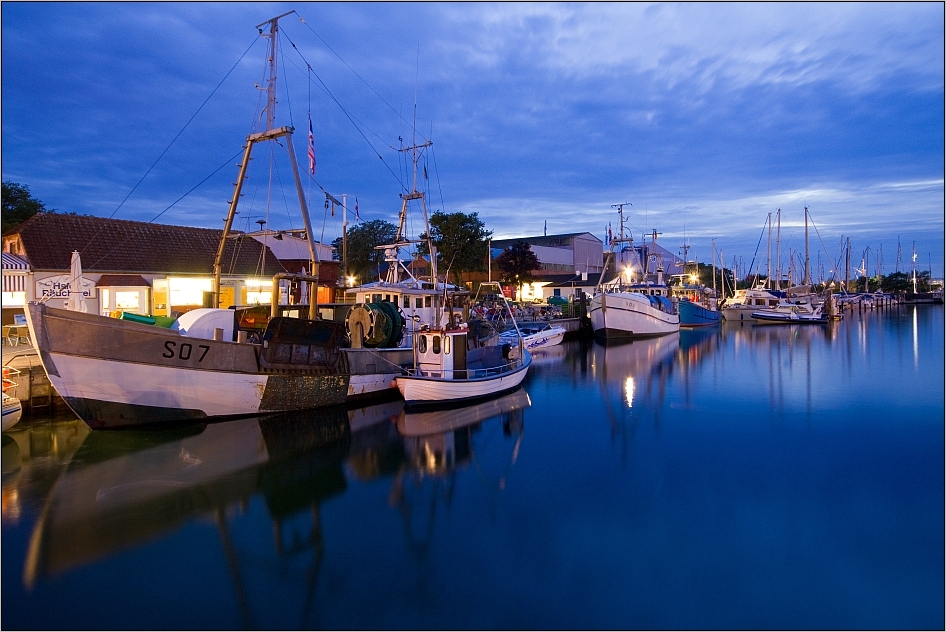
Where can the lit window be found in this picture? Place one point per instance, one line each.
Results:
(127, 300)
(11, 299)
(190, 291)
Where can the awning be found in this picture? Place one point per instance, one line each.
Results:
(15, 273)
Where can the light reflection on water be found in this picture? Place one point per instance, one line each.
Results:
(786, 477)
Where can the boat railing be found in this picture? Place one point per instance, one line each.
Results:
(466, 374)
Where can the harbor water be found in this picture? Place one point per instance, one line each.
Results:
(737, 477)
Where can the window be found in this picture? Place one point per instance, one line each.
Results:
(557, 292)
(375, 298)
(422, 345)
(128, 301)
(407, 301)
(418, 302)
(12, 299)
(106, 300)
(426, 301)
(436, 348)
(446, 345)
(387, 298)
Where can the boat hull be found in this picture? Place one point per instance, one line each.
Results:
(12, 411)
(540, 340)
(115, 373)
(617, 316)
(762, 318)
(423, 391)
(696, 315)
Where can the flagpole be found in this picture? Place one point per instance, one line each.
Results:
(345, 240)
(489, 260)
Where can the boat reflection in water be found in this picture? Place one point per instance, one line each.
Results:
(124, 489)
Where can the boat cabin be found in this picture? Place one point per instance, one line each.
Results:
(442, 353)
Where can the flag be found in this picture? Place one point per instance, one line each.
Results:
(357, 218)
(610, 237)
(311, 149)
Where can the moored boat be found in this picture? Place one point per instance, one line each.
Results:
(792, 312)
(536, 336)
(116, 372)
(451, 365)
(623, 309)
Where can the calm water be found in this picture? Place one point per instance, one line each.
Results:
(768, 477)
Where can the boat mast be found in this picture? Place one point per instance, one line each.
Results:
(807, 280)
(768, 269)
(270, 133)
(778, 250)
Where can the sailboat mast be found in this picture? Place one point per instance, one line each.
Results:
(345, 238)
(778, 251)
(807, 271)
(768, 269)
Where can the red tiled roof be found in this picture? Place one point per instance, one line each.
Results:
(116, 245)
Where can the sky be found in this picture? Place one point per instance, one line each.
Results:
(703, 117)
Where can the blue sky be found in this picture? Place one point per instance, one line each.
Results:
(705, 117)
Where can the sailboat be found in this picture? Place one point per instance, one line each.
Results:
(117, 373)
(625, 309)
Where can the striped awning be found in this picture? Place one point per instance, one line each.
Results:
(15, 273)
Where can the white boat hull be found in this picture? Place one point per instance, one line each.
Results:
(539, 340)
(419, 390)
(628, 315)
(12, 411)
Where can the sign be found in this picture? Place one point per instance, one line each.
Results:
(58, 287)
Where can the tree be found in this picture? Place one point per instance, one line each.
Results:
(363, 260)
(516, 264)
(460, 240)
(19, 206)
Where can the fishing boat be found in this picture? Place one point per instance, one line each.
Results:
(625, 309)
(116, 372)
(453, 365)
(535, 335)
(697, 304)
(386, 314)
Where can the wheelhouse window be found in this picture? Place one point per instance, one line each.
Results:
(422, 344)
(426, 301)
(407, 301)
(436, 346)
(418, 302)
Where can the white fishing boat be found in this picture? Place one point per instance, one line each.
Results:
(625, 309)
(535, 335)
(451, 365)
(115, 373)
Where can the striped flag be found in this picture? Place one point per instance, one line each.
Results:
(357, 218)
(311, 149)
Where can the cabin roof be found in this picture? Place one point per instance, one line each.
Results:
(117, 245)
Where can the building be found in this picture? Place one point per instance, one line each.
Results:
(562, 258)
(133, 266)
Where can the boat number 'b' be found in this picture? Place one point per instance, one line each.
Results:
(184, 351)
